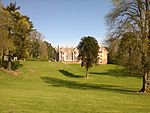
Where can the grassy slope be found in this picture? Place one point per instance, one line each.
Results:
(43, 87)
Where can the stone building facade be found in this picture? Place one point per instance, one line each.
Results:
(102, 55)
(70, 55)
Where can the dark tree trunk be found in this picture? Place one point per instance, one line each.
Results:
(146, 83)
(2, 60)
(3, 54)
(86, 72)
(143, 85)
(130, 61)
(9, 65)
(9, 62)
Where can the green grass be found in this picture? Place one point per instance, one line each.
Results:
(47, 87)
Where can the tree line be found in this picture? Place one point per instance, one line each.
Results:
(129, 37)
(19, 39)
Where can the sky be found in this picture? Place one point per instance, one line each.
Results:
(65, 22)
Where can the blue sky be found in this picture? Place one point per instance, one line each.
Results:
(65, 22)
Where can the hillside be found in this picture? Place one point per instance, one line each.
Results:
(52, 87)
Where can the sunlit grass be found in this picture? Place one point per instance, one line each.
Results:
(51, 87)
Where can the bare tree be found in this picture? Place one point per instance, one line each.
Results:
(133, 16)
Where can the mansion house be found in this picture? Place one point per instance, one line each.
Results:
(70, 55)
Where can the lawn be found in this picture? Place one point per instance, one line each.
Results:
(52, 87)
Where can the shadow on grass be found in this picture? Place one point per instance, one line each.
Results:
(83, 86)
(68, 74)
(116, 73)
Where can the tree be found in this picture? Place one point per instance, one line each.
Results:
(88, 52)
(6, 41)
(20, 30)
(14, 33)
(133, 16)
(35, 49)
(51, 51)
(129, 50)
(113, 46)
(38, 48)
(43, 50)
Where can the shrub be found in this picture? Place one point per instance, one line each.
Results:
(14, 64)
(32, 59)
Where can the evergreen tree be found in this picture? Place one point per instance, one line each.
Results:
(88, 52)
(20, 31)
